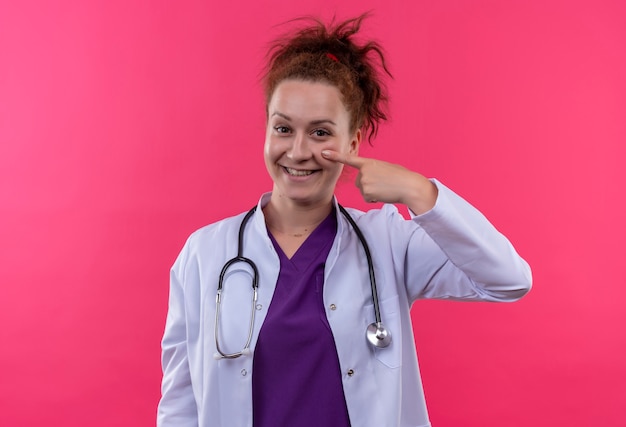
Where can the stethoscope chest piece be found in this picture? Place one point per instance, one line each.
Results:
(378, 335)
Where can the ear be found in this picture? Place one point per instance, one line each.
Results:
(355, 143)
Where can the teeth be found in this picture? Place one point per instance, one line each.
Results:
(296, 172)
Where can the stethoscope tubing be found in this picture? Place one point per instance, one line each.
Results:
(370, 263)
(255, 285)
(377, 334)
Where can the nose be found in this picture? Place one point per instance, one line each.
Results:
(300, 149)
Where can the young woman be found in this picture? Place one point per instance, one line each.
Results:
(302, 334)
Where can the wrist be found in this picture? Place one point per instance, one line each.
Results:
(421, 196)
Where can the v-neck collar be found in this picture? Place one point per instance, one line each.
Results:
(320, 238)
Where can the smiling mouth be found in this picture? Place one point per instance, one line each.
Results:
(296, 172)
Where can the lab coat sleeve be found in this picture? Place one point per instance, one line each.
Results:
(469, 258)
(177, 407)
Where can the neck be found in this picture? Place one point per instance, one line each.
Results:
(287, 218)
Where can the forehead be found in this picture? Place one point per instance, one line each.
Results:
(307, 100)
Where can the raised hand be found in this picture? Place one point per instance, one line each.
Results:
(380, 181)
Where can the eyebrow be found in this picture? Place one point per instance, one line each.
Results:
(314, 122)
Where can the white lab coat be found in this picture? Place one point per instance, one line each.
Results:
(450, 252)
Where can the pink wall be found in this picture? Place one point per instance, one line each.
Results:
(125, 125)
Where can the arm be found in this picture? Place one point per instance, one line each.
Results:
(463, 256)
(478, 262)
(177, 407)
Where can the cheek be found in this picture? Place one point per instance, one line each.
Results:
(272, 147)
(340, 146)
(317, 149)
(266, 152)
(270, 140)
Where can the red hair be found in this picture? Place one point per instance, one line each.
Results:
(329, 54)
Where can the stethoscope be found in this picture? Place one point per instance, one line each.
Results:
(376, 333)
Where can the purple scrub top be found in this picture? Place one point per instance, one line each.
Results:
(296, 379)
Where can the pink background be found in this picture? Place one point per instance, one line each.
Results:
(126, 125)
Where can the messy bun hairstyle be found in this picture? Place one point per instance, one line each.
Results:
(329, 54)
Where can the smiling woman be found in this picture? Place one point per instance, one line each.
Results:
(306, 360)
(304, 119)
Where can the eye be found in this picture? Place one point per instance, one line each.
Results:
(281, 129)
(321, 133)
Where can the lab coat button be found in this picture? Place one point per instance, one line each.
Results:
(333, 307)
(350, 372)
(259, 306)
(244, 372)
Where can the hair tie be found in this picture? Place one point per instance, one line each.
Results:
(331, 56)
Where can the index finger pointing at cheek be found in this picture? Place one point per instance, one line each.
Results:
(346, 159)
